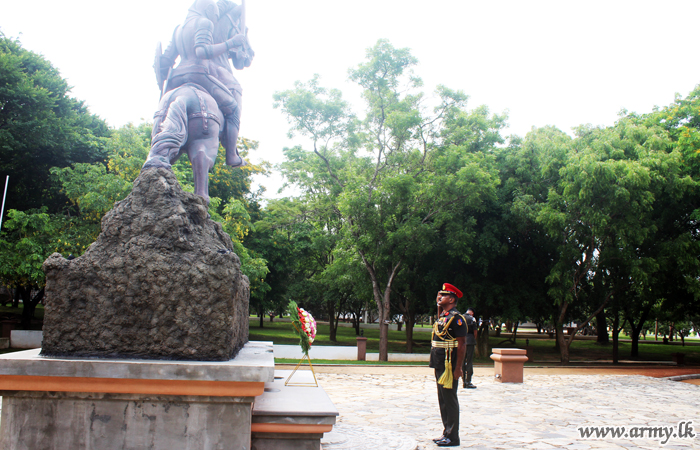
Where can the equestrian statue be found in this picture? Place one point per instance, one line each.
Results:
(200, 103)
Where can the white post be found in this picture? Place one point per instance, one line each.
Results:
(2, 211)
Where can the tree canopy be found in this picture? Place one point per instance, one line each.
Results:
(41, 127)
(394, 179)
(551, 227)
(67, 169)
(408, 192)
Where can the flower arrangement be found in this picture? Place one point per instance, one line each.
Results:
(304, 324)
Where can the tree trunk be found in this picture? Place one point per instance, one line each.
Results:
(482, 340)
(410, 322)
(559, 324)
(616, 331)
(384, 325)
(656, 330)
(261, 314)
(383, 305)
(634, 352)
(15, 300)
(602, 328)
(563, 344)
(332, 320)
(335, 326)
(29, 306)
(561, 341)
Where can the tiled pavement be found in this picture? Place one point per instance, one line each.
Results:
(399, 411)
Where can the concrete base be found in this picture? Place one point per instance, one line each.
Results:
(97, 404)
(508, 364)
(66, 420)
(282, 441)
(292, 417)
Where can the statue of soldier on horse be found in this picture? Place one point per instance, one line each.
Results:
(200, 102)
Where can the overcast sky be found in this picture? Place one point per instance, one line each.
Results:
(561, 63)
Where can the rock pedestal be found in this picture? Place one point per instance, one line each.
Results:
(160, 282)
(141, 344)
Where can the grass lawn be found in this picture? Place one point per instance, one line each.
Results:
(544, 351)
(590, 350)
(283, 333)
(10, 311)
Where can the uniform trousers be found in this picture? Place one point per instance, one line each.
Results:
(468, 363)
(449, 407)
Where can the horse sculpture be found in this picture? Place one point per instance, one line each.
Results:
(189, 120)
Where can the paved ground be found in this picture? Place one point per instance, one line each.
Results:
(396, 408)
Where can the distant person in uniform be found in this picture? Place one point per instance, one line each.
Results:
(448, 348)
(472, 327)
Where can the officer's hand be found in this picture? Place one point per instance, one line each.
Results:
(457, 373)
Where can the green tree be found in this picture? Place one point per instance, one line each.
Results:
(387, 178)
(40, 127)
(273, 239)
(27, 239)
(127, 150)
(682, 121)
(673, 292)
(298, 250)
(600, 211)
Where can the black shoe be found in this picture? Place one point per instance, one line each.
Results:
(439, 439)
(447, 442)
(469, 386)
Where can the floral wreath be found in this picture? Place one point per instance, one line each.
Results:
(304, 324)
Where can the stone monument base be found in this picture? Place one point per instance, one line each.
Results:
(292, 417)
(68, 420)
(61, 403)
